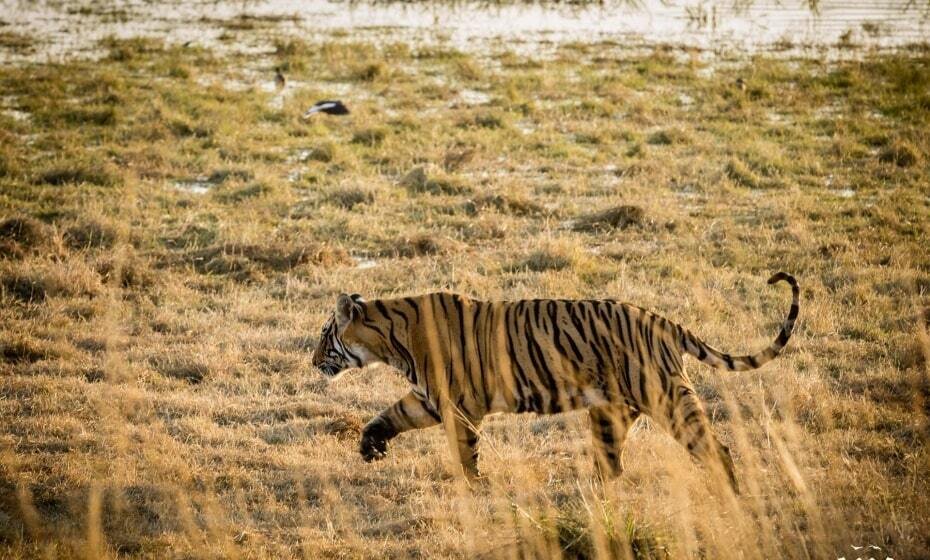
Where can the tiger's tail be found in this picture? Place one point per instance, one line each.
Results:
(721, 360)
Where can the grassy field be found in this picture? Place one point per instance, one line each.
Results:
(173, 237)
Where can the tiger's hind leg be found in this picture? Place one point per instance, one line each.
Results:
(688, 424)
(609, 427)
(466, 444)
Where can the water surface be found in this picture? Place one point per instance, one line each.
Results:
(74, 28)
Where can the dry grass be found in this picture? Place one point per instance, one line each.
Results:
(156, 399)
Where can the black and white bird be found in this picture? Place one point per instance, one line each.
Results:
(330, 107)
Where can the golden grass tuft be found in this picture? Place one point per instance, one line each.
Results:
(417, 181)
(421, 245)
(22, 235)
(77, 173)
(350, 197)
(97, 233)
(900, 153)
(618, 217)
(183, 368)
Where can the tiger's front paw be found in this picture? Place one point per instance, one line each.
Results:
(373, 449)
(375, 436)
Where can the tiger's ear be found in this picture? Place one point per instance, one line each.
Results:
(347, 308)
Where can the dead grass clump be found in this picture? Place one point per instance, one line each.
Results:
(240, 268)
(124, 50)
(900, 153)
(25, 349)
(182, 126)
(231, 258)
(350, 197)
(467, 69)
(343, 428)
(191, 236)
(618, 217)
(547, 259)
(92, 234)
(222, 175)
(370, 136)
(517, 205)
(20, 235)
(16, 42)
(29, 288)
(323, 153)
(183, 368)
(9, 163)
(420, 245)
(368, 72)
(127, 273)
(77, 173)
(417, 181)
(36, 284)
(291, 47)
(457, 158)
(254, 190)
(484, 227)
(742, 174)
(660, 138)
(92, 115)
(555, 255)
(24, 231)
(579, 539)
(94, 375)
(483, 119)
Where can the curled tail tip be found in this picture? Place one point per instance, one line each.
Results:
(783, 276)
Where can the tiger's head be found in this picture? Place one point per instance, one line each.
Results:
(345, 342)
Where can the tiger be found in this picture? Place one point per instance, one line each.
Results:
(465, 358)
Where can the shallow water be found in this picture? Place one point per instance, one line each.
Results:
(73, 28)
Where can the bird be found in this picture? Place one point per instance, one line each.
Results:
(279, 80)
(740, 84)
(328, 106)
